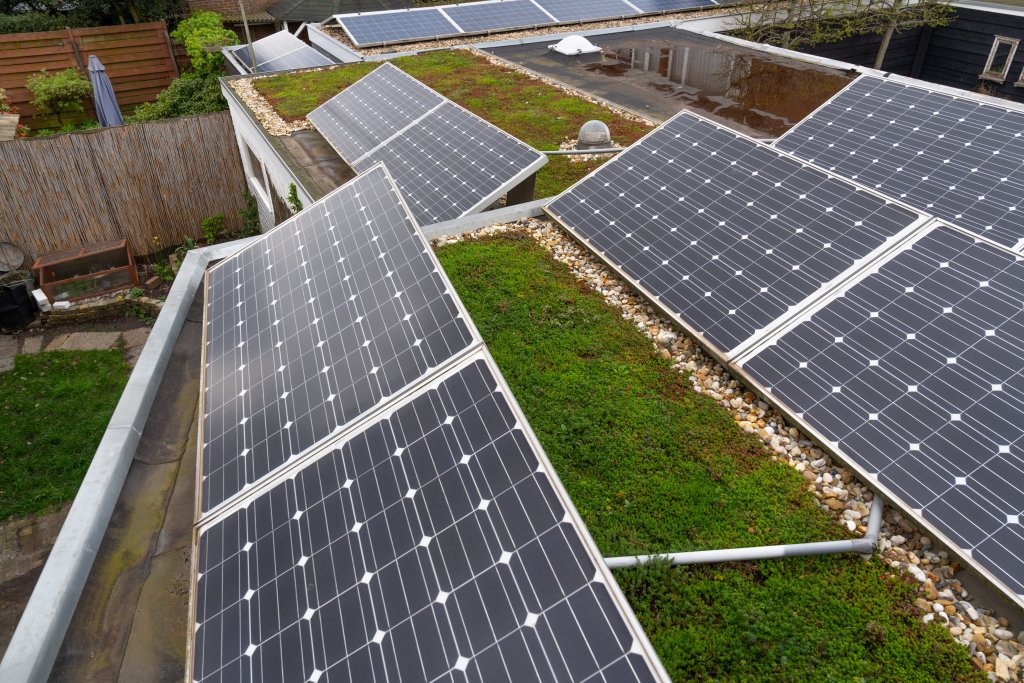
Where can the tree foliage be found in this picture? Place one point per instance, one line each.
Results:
(200, 31)
(797, 24)
(185, 96)
(60, 93)
(22, 16)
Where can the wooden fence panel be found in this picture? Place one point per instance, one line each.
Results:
(139, 58)
(133, 182)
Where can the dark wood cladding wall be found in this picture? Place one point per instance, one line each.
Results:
(861, 50)
(139, 59)
(957, 53)
(952, 55)
(132, 182)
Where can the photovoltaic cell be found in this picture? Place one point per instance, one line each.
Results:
(651, 6)
(451, 162)
(282, 51)
(431, 545)
(915, 373)
(371, 110)
(951, 156)
(573, 10)
(375, 28)
(337, 309)
(479, 17)
(727, 233)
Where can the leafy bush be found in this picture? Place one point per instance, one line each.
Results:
(250, 217)
(294, 203)
(59, 93)
(187, 95)
(30, 22)
(213, 228)
(202, 30)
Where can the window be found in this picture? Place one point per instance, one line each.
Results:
(999, 59)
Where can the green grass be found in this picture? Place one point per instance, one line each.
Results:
(652, 467)
(56, 406)
(535, 112)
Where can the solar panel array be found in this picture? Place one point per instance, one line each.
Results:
(415, 531)
(915, 375)
(281, 51)
(368, 29)
(898, 343)
(447, 161)
(432, 544)
(952, 156)
(728, 234)
(328, 315)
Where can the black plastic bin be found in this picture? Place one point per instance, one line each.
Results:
(17, 307)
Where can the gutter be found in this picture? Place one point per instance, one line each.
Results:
(40, 632)
(865, 547)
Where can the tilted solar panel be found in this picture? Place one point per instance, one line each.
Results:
(433, 544)
(725, 232)
(337, 309)
(573, 10)
(371, 110)
(282, 51)
(651, 6)
(952, 156)
(915, 374)
(377, 28)
(492, 15)
(452, 163)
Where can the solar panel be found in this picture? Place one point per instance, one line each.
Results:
(915, 375)
(371, 110)
(337, 309)
(494, 15)
(726, 233)
(952, 156)
(374, 28)
(282, 51)
(432, 544)
(651, 6)
(573, 10)
(452, 163)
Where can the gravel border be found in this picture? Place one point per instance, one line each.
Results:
(942, 599)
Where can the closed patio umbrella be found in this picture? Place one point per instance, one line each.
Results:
(103, 96)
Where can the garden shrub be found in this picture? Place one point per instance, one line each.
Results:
(60, 93)
(185, 96)
(202, 30)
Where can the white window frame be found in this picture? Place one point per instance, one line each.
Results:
(1000, 76)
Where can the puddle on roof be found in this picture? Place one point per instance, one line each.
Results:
(661, 71)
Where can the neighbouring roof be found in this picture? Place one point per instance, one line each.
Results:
(320, 10)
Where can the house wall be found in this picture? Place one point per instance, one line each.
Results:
(953, 55)
(269, 176)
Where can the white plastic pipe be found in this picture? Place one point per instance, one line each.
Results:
(609, 150)
(864, 546)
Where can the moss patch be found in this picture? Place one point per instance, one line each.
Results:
(654, 467)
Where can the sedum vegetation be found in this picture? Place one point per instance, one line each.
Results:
(539, 114)
(654, 467)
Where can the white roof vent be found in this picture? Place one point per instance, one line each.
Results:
(574, 45)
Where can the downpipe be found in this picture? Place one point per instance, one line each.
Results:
(609, 150)
(864, 546)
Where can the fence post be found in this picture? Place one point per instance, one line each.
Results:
(170, 49)
(74, 47)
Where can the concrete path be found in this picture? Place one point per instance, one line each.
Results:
(12, 345)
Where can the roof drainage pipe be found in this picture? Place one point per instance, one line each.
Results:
(864, 546)
(40, 632)
(609, 150)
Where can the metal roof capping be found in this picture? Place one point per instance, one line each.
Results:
(447, 161)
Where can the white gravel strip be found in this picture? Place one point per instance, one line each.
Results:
(941, 598)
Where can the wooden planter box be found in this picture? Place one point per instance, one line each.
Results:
(86, 271)
(8, 126)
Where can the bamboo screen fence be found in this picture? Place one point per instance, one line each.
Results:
(133, 182)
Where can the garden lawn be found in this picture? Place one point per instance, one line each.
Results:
(55, 408)
(654, 467)
(539, 114)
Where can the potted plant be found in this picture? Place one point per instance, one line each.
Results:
(10, 128)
